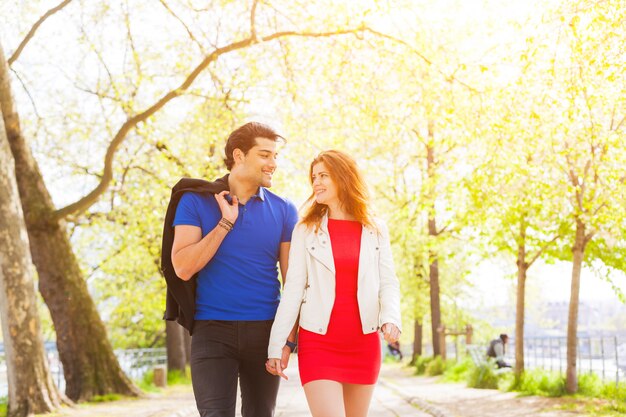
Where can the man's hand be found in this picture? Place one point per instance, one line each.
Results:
(229, 211)
(276, 366)
(390, 332)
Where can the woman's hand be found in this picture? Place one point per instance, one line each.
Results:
(229, 211)
(390, 332)
(274, 367)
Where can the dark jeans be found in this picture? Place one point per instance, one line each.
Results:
(222, 352)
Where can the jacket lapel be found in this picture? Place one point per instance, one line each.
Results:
(319, 247)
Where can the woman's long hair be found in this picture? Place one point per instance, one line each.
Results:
(351, 189)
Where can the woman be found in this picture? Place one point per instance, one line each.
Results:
(341, 282)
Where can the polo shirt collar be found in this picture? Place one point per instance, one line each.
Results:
(260, 194)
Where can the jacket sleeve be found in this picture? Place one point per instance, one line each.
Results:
(389, 295)
(293, 292)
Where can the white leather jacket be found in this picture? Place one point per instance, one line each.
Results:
(310, 285)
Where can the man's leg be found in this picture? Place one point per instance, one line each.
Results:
(214, 368)
(258, 387)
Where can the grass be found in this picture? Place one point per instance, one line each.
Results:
(457, 371)
(174, 377)
(595, 398)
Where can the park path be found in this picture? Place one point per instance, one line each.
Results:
(399, 393)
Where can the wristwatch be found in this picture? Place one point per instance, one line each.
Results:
(291, 345)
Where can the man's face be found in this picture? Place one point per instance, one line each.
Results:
(259, 164)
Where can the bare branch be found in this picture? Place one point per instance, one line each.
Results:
(107, 175)
(447, 77)
(189, 32)
(32, 30)
(253, 20)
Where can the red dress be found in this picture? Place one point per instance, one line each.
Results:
(344, 353)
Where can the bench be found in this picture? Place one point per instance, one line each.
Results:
(480, 359)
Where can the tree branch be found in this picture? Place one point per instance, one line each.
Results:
(253, 20)
(91, 198)
(32, 30)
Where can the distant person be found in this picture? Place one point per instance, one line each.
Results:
(497, 349)
(341, 289)
(394, 349)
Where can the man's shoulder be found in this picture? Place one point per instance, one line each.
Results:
(200, 186)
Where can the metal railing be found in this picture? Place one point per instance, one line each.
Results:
(603, 356)
(134, 362)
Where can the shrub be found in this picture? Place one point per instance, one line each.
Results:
(483, 376)
(435, 367)
(614, 391)
(541, 382)
(421, 363)
(458, 372)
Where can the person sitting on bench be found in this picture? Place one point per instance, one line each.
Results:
(496, 350)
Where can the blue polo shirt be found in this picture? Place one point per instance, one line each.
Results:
(241, 281)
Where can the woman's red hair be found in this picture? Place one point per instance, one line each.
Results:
(351, 189)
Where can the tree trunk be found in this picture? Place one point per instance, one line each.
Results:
(435, 307)
(175, 343)
(417, 340)
(89, 364)
(522, 268)
(31, 389)
(578, 250)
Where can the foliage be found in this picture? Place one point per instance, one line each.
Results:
(483, 376)
(437, 366)
(174, 377)
(540, 382)
(421, 363)
(458, 371)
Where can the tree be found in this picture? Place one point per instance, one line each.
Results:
(588, 137)
(31, 389)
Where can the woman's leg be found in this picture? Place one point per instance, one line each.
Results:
(357, 399)
(325, 398)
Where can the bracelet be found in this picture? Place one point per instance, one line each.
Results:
(291, 345)
(225, 224)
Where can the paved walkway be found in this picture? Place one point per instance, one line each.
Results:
(398, 393)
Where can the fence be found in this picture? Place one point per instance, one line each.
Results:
(603, 356)
(134, 362)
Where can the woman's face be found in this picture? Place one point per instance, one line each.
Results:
(324, 187)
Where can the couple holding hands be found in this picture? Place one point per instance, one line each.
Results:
(222, 243)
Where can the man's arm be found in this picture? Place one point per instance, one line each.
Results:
(191, 252)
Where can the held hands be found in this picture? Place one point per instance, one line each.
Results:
(276, 366)
(390, 332)
(229, 211)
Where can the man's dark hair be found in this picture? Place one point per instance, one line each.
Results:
(244, 138)
(504, 337)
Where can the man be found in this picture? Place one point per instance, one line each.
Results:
(232, 236)
(497, 349)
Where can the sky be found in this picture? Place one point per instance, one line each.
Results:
(494, 283)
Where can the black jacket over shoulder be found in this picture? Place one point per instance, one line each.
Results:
(180, 301)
